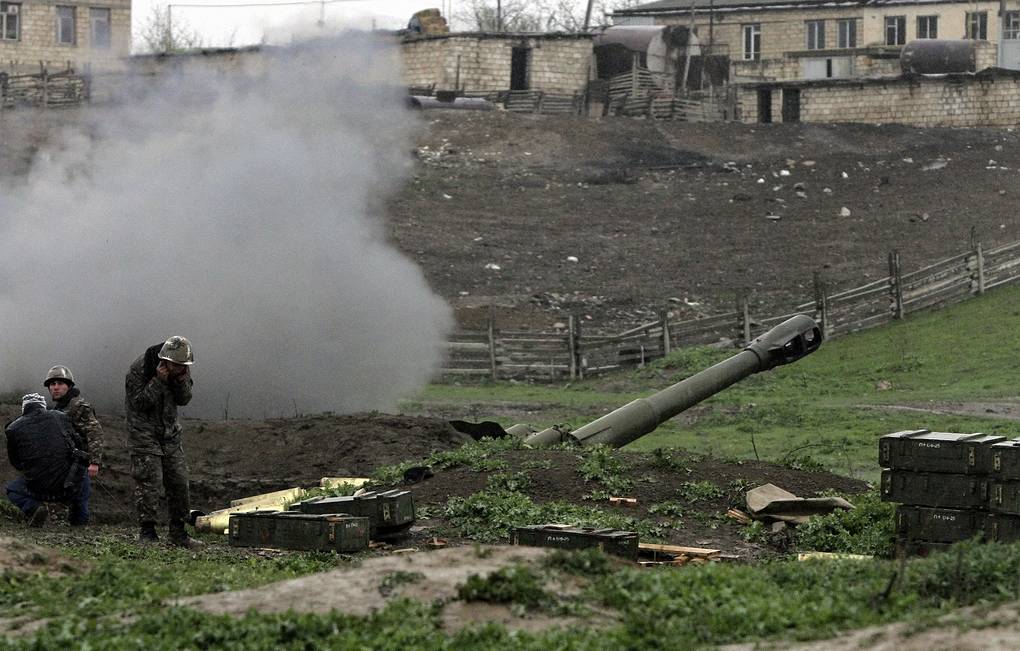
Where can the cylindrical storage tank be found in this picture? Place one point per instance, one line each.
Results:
(937, 57)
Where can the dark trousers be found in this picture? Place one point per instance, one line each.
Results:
(170, 472)
(77, 505)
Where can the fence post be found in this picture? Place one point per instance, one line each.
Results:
(45, 76)
(540, 102)
(572, 347)
(980, 269)
(822, 304)
(578, 360)
(493, 369)
(745, 311)
(895, 288)
(666, 343)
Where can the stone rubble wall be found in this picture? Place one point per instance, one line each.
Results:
(555, 64)
(957, 101)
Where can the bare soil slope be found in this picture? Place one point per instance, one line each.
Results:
(686, 216)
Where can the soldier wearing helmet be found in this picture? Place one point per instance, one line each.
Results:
(157, 384)
(67, 398)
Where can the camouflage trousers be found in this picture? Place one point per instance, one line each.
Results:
(170, 472)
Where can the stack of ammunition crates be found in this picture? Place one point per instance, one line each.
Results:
(340, 524)
(390, 513)
(951, 487)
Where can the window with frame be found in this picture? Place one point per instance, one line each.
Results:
(977, 25)
(895, 30)
(10, 21)
(815, 34)
(846, 33)
(1011, 25)
(65, 25)
(752, 42)
(99, 27)
(927, 27)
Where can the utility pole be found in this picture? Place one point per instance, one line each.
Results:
(499, 15)
(587, 16)
(168, 45)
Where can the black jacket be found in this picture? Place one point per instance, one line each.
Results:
(39, 444)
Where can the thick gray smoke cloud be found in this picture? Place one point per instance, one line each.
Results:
(241, 211)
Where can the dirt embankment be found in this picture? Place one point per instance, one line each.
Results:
(616, 219)
(237, 458)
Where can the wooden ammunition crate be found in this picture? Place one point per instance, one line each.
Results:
(611, 541)
(937, 489)
(1004, 496)
(387, 511)
(1002, 527)
(926, 451)
(1006, 460)
(299, 531)
(937, 525)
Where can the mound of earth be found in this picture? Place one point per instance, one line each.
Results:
(236, 458)
(428, 578)
(21, 557)
(679, 478)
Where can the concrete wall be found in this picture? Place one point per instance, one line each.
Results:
(38, 38)
(987, 100)
(557, 63)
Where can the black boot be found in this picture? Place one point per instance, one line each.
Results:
(147, 534)
(179, 536)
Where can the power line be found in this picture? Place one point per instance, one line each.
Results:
(263, 4)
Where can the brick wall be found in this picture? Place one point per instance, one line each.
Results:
(987, 100)
(555, 64)
(38, 38)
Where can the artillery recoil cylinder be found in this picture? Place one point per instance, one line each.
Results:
(787, 342)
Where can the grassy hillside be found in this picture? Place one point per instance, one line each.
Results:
(827, 409)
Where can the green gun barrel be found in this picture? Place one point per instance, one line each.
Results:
(787, 342)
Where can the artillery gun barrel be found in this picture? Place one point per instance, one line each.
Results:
(787, 342)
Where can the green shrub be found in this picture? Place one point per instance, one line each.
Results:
(869, 528)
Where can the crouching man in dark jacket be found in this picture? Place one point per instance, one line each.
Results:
(42, 445)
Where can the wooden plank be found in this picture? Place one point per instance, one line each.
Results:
(701, 552)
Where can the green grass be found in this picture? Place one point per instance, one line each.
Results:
(691, 607)
(825, 409)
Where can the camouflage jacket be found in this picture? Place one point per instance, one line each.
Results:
(151, 406)
(85, 423)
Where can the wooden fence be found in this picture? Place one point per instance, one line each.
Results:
(638, 93)
(46, 89)
(573, 353)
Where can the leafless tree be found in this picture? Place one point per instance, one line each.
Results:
(537, 15)
(159, 35)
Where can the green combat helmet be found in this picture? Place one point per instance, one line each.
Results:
(178, 351)
(59, 373)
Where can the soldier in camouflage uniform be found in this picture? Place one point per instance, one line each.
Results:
(158, 382)
(67, 398)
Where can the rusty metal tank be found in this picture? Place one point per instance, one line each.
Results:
(938, 57)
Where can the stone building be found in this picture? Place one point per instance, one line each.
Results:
(59, 33)
(820, 39)
(484, 61)
(989, 98)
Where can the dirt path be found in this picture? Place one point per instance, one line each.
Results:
(969, 629)
(1009, 410)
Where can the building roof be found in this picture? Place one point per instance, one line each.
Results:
(681, 6)
(510, 36)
